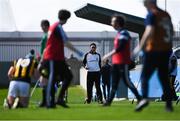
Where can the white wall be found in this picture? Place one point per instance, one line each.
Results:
(83, 77)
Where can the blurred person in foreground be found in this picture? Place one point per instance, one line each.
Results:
(157, 43)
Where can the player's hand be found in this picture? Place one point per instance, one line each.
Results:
(105, 57)
(135, 52)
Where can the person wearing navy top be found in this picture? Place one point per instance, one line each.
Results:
(156, 43)
(120, 58)
(106, 78)
(173, 64)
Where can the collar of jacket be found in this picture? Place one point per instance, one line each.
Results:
(92, 52)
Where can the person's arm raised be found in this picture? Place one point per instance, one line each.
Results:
(71, 47)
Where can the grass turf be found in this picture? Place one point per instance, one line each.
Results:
(121, 110)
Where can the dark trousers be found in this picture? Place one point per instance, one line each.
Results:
(159, 61)
(172, 79)
(58, 70)
(93, 77)
(121, 72)
(106, 86)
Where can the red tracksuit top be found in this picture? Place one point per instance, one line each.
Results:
(55, 46)
(123, 56)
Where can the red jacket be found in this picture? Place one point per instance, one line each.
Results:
(123, 56)
(55, 46)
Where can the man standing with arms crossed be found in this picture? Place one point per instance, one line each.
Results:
(92, 62)
(54, 58)
(157, 44)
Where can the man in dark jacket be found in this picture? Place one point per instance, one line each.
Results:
(106, 76)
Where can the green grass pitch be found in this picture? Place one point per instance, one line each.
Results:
(120, 110)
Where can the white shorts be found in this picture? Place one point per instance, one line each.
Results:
(19, 89)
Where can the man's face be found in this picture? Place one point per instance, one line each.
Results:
(62, 22)
(114, 23)
(93, 48)
(147, 4)
(44, 28)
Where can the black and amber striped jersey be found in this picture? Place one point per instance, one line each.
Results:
(24, 69)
